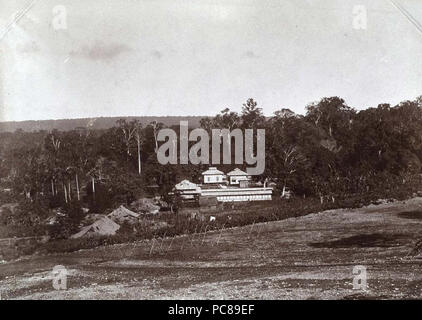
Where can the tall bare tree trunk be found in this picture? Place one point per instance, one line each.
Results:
(93, 186)
(154, 128)
(70, 191)
(65, 192)
(52, 187)
(139, 158)
(77, 187)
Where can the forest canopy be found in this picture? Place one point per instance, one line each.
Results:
(331, 151)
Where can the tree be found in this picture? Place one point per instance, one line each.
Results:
(332, 115)
(128, 130)
(156, 127)
(285, 157)
(226, 119)
(132, 131)
(207, 124)
(252, 116)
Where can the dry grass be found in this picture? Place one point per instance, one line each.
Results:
(274, 260)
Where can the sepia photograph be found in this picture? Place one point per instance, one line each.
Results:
(210, 150)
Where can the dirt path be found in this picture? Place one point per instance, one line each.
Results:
(310, 257)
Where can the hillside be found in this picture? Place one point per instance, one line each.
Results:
(309, 257)
(92, 123)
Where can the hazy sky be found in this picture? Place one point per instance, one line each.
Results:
(197, 57)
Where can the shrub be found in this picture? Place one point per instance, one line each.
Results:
(68, 223)
(28, 214)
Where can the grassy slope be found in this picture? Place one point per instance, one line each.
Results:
(305, 257)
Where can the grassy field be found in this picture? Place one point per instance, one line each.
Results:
(308, 257)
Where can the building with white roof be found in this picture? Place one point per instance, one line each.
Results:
(187, 189)
(186, 185)
(236, 176)
(212, 175)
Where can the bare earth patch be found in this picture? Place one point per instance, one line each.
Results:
(310, 257)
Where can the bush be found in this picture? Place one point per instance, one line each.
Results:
(28, 214)
(101, 200)
(68, 223)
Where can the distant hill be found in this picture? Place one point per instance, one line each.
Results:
(92, 123)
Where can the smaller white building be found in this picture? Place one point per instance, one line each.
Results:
(188, 189)
(212, 175)
(237, 175)
(186, 185)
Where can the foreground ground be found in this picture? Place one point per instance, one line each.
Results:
(310, 257)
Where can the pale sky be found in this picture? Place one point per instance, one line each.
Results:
(197, 57)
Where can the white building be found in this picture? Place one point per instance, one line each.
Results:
(238, 194)
(188, 189)
(235, 191)
(186, 185)
(212, 175)
(237, 175)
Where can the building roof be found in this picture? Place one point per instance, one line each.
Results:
(123, 214)
(237, 172)
(185, 185)
(212, 171)
(102, 227)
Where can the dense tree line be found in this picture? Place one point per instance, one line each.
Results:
(332, 151)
